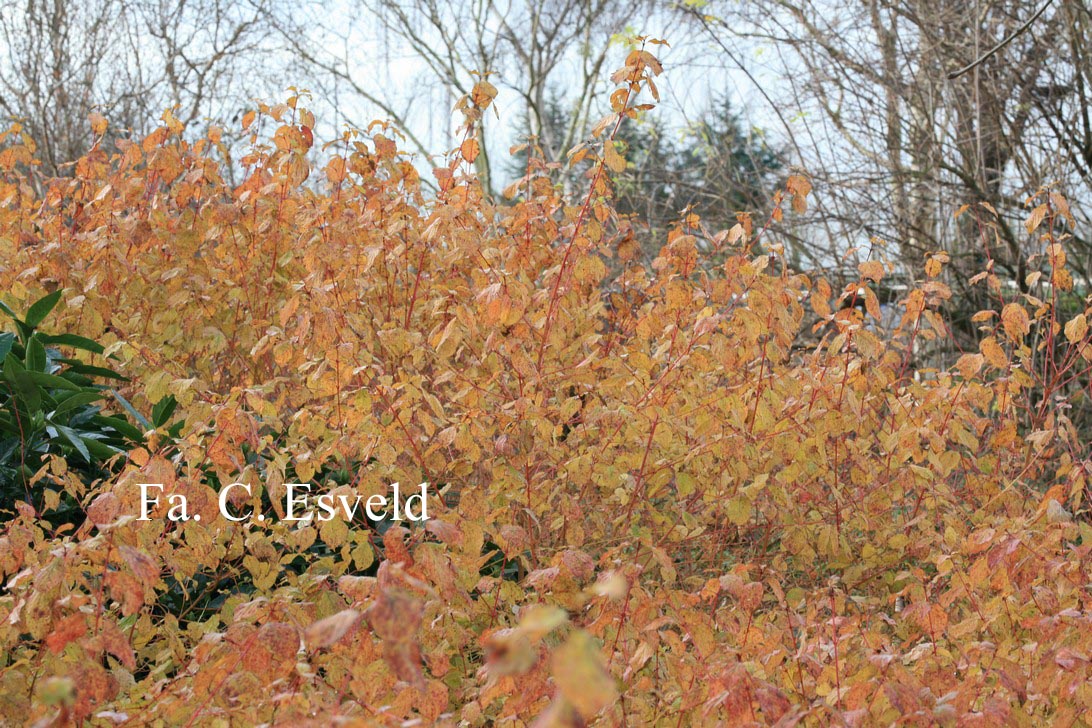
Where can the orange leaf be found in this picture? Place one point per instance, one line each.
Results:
(68, 629)
(98, 124)
(469, 149)
(820, 298)
(799, 187)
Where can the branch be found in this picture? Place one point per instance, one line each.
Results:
(979, 61)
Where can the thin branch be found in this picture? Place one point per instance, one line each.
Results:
(986, 56)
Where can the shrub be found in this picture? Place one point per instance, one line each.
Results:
(707, 525)
(51, 416)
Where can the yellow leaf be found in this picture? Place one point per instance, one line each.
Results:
(363, 554)
(935, 263)
(1035, 218)
(1014, 317)
(483, 94)
(333, 532)
(580, 675)
(739, 511)
(871, 269)
(993, 352)
(1061, 205)
(979, 572)
(612, 158)
(969, 365)
(1062, 279)
(1076, 328)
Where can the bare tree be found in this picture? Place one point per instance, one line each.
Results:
(127, 60)
(910, 109)
(551, 48)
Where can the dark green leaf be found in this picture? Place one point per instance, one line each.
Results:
(100, 450)
(36, 355)
(78, 443)
(123, 427)
(78, 367)
(141, 419)
(25, 388)
(52, 380)
(163, 409)
(41, 309)
(77, 400)
(7, 309)
(8, 424)
(76, 342)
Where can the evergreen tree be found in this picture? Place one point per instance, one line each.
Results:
(716, 167)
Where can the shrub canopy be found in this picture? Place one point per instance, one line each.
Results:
(650, 497)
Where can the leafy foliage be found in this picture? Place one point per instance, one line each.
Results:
(50, 408)
(706, 522)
